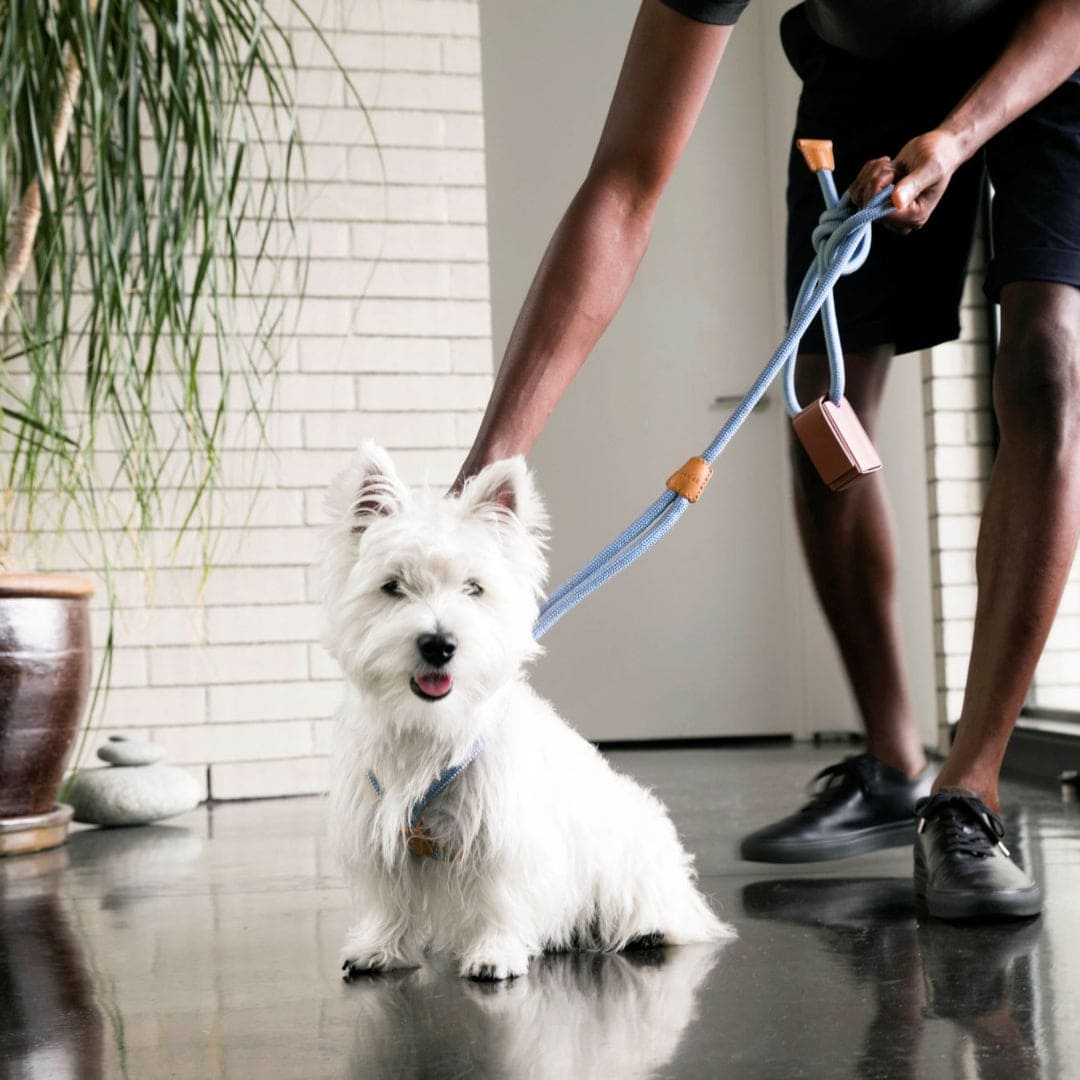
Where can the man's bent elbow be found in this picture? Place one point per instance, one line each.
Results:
(632, 190)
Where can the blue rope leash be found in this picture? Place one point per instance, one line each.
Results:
(443, 780)
(446, 777)
(841, 243)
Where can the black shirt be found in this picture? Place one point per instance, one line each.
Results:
(866, 27)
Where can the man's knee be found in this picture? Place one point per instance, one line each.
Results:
(865, 382)
(806, 481)
(811, 377)
(1037, 370)
(866, 373)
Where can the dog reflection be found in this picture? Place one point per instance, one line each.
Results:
(579, 1015)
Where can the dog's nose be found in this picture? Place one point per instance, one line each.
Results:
(437, 648)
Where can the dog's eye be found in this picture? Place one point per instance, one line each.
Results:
(474, 588)
(392, 587)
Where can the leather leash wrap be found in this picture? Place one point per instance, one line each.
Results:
(817, 153)
(690, 480)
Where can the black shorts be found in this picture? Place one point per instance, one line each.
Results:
(908, 292)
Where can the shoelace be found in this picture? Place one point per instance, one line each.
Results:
(968, 825)
(838, 778)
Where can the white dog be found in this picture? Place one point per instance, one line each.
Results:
(536, 842)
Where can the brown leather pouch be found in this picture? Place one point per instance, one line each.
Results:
(836, 442)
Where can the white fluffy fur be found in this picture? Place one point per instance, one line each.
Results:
(547, 846)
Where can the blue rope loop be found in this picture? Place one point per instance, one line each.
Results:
(841, 242)
(445, 778)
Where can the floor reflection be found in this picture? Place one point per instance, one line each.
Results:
(132, 864)
(978, 979)
(50, 1027)
(582, 1015)
(205, 949)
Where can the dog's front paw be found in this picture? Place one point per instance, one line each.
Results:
(357, 962)
(495, 964)
(353, 969)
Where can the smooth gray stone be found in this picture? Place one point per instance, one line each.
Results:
(132, 796)
(121, 751)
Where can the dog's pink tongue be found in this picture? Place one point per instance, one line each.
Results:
(435, 685)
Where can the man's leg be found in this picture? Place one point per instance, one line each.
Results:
(867, 801)
(1026, 545)
(1030, 523)
(849, 543)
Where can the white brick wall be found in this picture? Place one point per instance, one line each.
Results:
(228, 673)
(1057, 678)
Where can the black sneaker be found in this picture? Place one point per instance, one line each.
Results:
(962, 866)
(861, 805)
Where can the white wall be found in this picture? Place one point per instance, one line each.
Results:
(232, 680)
(750, 653)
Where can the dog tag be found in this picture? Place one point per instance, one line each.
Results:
(419, 842)
(836, 442)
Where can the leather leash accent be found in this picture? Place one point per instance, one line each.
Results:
(690, 480)
(817, 153)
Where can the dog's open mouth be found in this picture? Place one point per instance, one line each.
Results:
(433, 686)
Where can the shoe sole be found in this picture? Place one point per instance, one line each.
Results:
(962, 907)
(898, 834)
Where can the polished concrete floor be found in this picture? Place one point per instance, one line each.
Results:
(206, 948)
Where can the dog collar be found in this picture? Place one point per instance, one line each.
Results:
(417, 838)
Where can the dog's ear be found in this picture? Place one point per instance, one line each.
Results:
(507, 487)
(367, 489)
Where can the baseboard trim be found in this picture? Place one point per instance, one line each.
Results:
(695, 742)
(1041, 756)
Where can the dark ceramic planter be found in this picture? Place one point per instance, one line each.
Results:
(44, 678)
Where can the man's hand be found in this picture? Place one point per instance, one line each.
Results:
(921, 172)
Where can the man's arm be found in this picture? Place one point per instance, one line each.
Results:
(1041, 54)
(595, 251)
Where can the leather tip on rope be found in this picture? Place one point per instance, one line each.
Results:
(690, 480)
(817, 153)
